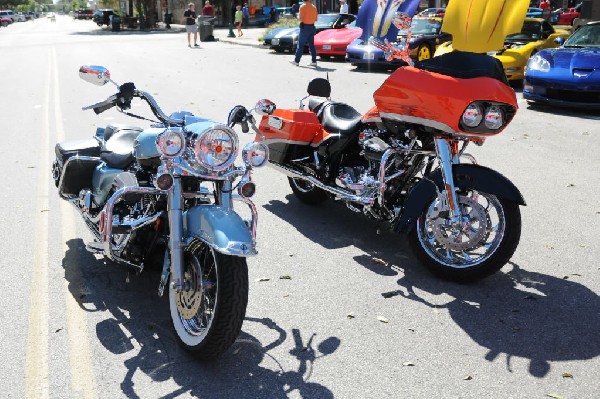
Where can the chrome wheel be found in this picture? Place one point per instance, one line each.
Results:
(466, 243)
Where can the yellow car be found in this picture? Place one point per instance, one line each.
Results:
(536, 34)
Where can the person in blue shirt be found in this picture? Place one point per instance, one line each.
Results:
(246, 15)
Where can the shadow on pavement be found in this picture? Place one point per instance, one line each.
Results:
(139, 325)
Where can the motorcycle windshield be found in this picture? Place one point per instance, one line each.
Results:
(481, 26)
(375, 17)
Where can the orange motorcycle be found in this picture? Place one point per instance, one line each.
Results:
(404, 161)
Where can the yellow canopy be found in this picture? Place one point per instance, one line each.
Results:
(480, 26)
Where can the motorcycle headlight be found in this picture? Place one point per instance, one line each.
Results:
(473, 115)
(216, 148)
(537, 63)
(255, 155)
(494, 118)
(170, 143)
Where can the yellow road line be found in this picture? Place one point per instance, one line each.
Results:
(37, 385)
(80, 357)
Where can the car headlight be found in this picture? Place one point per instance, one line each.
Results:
(538, 63)
(216, 148)
(473, 115)
(170, 143)
(255, 155)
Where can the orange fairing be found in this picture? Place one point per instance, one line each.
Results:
(430, 99)
(292, 126)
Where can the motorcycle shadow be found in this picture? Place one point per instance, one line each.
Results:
(131, 319)
(333, 226)
(519, 313)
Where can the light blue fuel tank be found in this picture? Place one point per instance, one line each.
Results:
(144, 147)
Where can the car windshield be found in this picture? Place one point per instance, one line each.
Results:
(423, 26)
(531, 32)
(586, 36)
(326, 20)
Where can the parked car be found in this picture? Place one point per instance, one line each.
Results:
(8, 14)
(536, 34)
(102, 17)
(5, 21)
(84, 14)
(426, 37)
(286, 39)
(534, 12)
(333, 42)
(432, 12)
(569, 75)
(565, 16)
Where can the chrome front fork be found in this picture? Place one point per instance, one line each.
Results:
(444, 153)
(175, 209)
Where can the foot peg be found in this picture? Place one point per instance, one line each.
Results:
(95, 247)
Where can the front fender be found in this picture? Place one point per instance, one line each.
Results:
(466, 176)
(220, 228)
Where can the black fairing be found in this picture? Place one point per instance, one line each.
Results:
(466, 176)
(465, 65)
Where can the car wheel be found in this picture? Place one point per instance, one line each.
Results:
(423, 52)
(4, 24)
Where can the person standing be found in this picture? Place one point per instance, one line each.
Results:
(343, 7)
(190, 24)
(245, 15)
(237, 20)
(208, 9)
(307, 16)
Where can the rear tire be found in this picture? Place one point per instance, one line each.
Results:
(208, 317)
(487, 238)
(307, 192)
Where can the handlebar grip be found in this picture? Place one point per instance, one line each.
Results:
(245, 128)
(105, 107)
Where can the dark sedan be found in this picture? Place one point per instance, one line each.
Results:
(286, 39)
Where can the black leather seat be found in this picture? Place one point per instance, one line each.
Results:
(117, 151)
(335, 117)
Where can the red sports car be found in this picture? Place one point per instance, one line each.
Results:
(566, 16)
(333, 42)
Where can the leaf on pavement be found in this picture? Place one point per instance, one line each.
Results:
(382, 319)
(350, 315)
(286, 277)
(570, 185)
(553, 395)
(379, 261)
(468, 377)
(567, 375)
(261, 279)
(408, 364)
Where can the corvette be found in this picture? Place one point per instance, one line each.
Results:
(426, 37)
(568, 75)
(536, 34)
(333, 42)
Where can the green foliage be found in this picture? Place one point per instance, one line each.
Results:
(284, 22)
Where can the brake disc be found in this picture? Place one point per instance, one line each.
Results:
(463, 236)
(189, 301)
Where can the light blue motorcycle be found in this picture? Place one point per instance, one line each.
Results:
(164, 195)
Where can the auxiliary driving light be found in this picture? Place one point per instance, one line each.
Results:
(170, 143)
(164, 182)
(255, 154)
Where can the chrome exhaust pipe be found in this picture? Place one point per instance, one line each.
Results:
(340, 194)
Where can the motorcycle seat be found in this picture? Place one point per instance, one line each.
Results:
(111, 129)
(117, 151)
(335, 117)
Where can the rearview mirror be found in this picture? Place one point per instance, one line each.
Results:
(97, 75)
(265, 107)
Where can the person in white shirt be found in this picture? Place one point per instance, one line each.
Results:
(343, 7)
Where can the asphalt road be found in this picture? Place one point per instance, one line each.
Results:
(72, 327)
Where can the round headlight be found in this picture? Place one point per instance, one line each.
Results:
(216, 148)
(255, 154)
(170, 143)
(494, 119)
(472, 116)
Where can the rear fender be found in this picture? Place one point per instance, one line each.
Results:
(220, 228)
(466, 176)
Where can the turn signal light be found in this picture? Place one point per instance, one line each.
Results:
(164, 182)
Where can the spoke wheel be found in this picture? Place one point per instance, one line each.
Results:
(208, 313)
(476, 246)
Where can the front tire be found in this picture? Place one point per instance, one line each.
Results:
(208, 316)
(307, 192)
(477, 247)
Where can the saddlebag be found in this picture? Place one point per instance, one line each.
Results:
(82, 148)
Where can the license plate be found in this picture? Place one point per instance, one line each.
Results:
(275, 42)
(368, 56)
(275, 122)
(327, 47)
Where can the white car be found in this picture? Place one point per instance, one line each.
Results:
(8, 14)
(20, 17)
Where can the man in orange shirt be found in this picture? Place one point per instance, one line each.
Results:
(307, 16)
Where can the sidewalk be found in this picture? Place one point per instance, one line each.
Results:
(250, 37)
